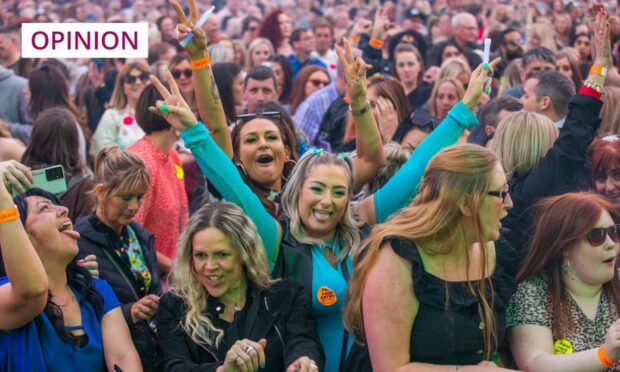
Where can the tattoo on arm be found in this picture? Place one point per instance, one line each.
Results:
(215, 94)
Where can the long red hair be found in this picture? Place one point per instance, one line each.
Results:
(561, 222)
(270, 29)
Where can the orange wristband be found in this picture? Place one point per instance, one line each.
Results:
(376, 43)
(200, 63)
(9, 215)
(131, 311)
(354, 38)
(604, 358)
(598, 70)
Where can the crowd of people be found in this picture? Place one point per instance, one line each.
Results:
(314, 185)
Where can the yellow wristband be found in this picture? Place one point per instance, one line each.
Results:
(598, 70)
(376, 43)
(9, 215)
(200, 63)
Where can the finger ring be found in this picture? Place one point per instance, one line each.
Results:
(248, 349)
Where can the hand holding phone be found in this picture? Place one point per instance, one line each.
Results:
(51, 179)
(15, 175)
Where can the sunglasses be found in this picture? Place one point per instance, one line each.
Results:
(267, 114)
(502, 194)
(177, 73)
(514, 42)
(597, 235)
(319, 83)
(131, 79)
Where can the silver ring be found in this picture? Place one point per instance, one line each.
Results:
(248, 349)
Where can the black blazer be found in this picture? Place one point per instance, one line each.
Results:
(98, 239)
(280, 314)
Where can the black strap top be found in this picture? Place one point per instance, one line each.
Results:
(448, 328)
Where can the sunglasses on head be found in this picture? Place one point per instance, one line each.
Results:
(267, 114)
(131, 79)
(177, 73)
(597, 235)
(318, 82)
(502, 194)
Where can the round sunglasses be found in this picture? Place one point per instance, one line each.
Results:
(597, 235)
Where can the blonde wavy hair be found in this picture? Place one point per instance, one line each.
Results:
(521, 140)
(241, 231)
(347, 229)
(435, 216)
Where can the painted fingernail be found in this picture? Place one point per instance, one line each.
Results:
(164, 108)
(485, 66)
(487, 91)
(262, 365)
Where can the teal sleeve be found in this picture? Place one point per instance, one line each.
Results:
(224, 176)
(398, 192)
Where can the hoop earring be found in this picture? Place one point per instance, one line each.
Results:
(241, 169)
(291, 164)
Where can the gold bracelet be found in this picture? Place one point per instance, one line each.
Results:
(200, 63)
(594, 85)
(9, 215)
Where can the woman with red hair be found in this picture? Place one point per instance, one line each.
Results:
(605, 156)
(277, 27)
(564, 314)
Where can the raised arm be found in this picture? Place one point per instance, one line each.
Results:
(207, 96)
(398, 192)
(25, 296)
(216, 165)
(370, 155)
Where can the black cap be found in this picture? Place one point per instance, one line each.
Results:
(414, 13)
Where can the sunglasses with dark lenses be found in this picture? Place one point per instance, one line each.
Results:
(515, 42)
(131, 79)
(177, 73)
(502, 194)
(319, 83)
(597, 235)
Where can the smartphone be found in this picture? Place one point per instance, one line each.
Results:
(51, 179)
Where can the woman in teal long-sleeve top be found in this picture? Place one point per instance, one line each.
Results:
(311, 244)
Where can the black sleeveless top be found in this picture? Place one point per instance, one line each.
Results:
(452, 331)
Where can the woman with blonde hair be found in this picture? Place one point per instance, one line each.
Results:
(541, 34)
(223, 312)
(446, 93)
(456, 68)
(610, 114)
(259, 51)
(539, 166)
(240, 56)
(437, 263)
(118, 124)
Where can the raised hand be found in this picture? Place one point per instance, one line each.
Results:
(382, 24)
(354, 71)
(600, 35)
(13, 173)
(198, 44)
(477, 83)
(173, 108)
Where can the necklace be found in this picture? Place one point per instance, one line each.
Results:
(69, 300)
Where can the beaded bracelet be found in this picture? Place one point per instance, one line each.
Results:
(594, 85)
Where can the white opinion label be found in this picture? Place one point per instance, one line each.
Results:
(85, 40)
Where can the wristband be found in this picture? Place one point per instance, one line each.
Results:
(598, 70)
(200, 63)
(603, 357)
(9, 215)
(131, 311)
(376, 43)
(361, 112)
(354, 38)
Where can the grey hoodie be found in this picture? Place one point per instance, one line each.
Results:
(14, 104)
